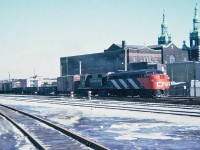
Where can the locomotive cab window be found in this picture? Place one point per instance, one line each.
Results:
(149, 74)
(142, 75)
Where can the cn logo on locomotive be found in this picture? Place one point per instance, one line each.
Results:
(162, 84)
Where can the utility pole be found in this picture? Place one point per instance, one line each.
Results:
(125, 59)
(194, 71)
(61, 70)
(80, 63)
(9, 76)
(67, 65)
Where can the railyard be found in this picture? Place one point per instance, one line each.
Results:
(125, 96)
(115, 123)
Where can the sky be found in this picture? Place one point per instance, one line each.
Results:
(34, 34)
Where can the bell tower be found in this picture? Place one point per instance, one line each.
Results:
(165, 37)
(194, 52)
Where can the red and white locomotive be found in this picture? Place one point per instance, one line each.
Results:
(145, 83)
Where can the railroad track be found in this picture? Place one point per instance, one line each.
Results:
(44, 134)
(138, 108)
(160, 108)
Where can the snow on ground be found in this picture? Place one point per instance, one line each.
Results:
(11, 138)
(120, 129)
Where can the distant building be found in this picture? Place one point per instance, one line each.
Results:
(170, 52)
(184, 78)
(184, 72)
(49, 82)
(35, 81)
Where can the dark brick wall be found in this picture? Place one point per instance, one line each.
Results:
(184, 72)
(180, 55)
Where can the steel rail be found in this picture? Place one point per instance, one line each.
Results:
(160, 111)
(36, 143)
(132, 108)
(81, 139)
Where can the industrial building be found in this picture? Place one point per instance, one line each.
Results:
(184, 78)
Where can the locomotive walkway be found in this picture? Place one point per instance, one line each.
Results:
(45, 135)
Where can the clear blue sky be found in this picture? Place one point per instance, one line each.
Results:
(34, 34)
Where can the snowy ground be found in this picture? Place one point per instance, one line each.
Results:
(118, 129)
(11, 138)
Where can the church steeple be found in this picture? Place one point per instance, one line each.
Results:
(196, 21)
(165, 38)
(194, 53)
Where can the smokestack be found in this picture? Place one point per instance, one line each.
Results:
(123, 44)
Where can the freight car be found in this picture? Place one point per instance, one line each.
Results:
(30, 90)
(6, 87)
(67, 84)
(18, 90)
(47, 90)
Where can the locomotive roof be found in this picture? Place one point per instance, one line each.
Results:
(141, 71)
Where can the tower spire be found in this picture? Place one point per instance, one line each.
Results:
(165, 38)
(164, 21)
(196, 21)
(194, 52)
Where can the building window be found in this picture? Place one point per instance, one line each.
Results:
(149, 58)
(134, 58)
(146, 59)
(172, 59)
(193, 42)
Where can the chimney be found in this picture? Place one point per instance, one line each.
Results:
(123, 44)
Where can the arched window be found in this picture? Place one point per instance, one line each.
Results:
(172, 59)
